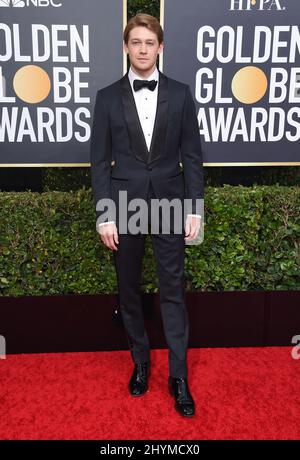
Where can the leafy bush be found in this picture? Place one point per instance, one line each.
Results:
(49, 245)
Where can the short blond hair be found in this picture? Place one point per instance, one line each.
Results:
(144, 20)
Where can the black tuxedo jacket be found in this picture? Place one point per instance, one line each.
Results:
(120, 159)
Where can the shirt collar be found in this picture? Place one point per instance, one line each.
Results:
(133, 76)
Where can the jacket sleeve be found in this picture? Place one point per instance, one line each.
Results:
(191, 155)
(100, 151)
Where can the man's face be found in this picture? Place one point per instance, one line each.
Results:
(143, 48)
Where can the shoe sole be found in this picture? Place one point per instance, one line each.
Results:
(184, 415)
(136, 396)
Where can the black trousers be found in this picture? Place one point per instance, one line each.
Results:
(169, 252)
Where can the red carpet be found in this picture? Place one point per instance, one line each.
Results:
(240, 393)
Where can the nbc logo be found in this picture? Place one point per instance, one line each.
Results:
(22, 3)
(17, 3)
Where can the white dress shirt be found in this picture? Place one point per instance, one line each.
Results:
(146, 104)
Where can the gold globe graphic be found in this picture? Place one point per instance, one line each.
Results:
(249, 84)
(31, 84)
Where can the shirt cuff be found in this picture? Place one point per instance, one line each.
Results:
(104, 223)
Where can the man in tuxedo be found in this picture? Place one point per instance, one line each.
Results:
(143, 125)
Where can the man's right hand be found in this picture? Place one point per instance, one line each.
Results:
(109, 235)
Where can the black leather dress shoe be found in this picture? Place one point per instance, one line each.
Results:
(184, 403)
(138, 384)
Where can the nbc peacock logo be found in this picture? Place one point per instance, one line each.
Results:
(15, 3)
(29, 3)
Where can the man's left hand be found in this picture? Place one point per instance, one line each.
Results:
(192, 227)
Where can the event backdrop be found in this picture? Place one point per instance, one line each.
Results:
(241, 60)
(54, 56)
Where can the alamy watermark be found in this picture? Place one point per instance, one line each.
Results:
(2, 347)
(159, 216)
(295, 353)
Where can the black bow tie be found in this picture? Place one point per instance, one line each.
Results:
(139, 84)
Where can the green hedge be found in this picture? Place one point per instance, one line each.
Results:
(49, 244)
